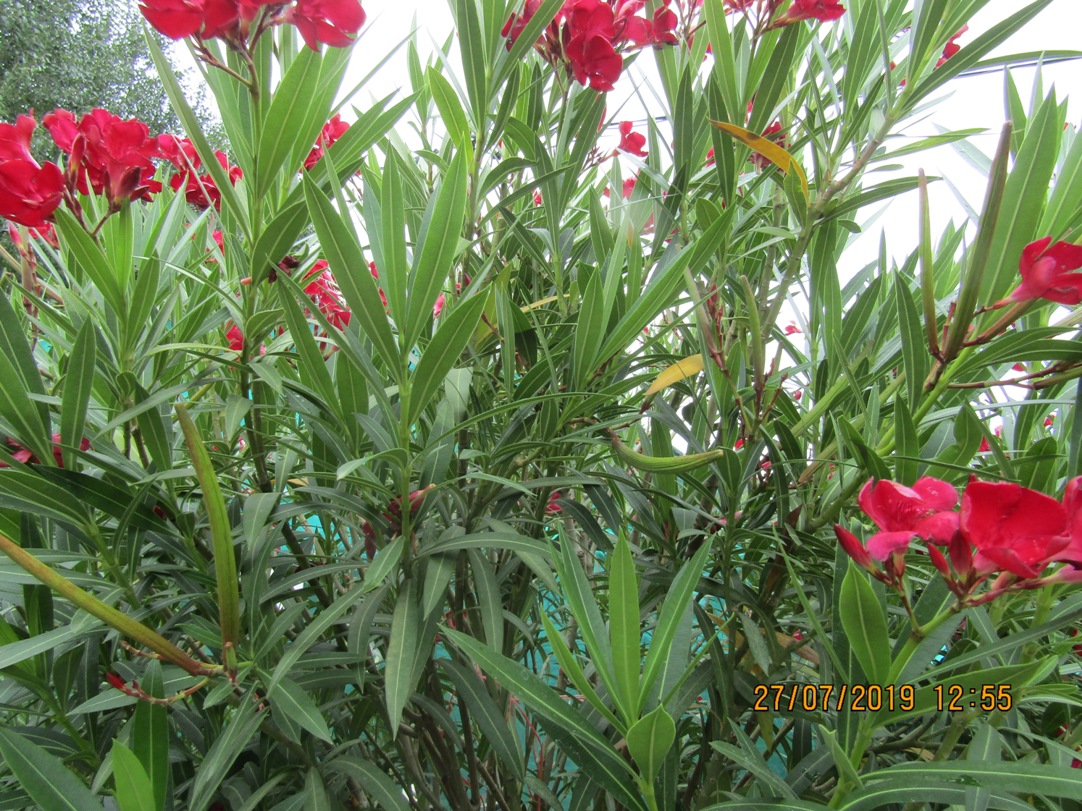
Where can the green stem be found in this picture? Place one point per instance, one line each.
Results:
(131, 628)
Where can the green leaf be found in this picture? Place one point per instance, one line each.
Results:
(489, 601)
(312, 634)
(91, 259)
(383, 564)
(865, 625)
(442, 353)
(289, 120)
(592, 752)
(221, 534)
(133, 789)
(43, 777)
(475, 59)
(624, 631)
(380, 788)
(237, 732)
(168, 77)
(1026, 779)
(310, 363)
(25, 490)
(649, 740)
(438, 241)
(23, 415)
(589, 332)
(288, 698)
(915, 358)
(317, 797)
(150, 735)
(14, 652)
(580, 599)
(454, 117)
(486, 714)
(675, 612)
(350, 269)
(276, 240)
(401, 651)
(389, 241)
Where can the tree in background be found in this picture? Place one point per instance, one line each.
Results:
(80, 54)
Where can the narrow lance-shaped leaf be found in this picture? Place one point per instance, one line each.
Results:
(437, 246)
(221, 533)
(150, 735)
(624, 631)
(48, 782)
(865, 625)
(768, 149)
(133, 788)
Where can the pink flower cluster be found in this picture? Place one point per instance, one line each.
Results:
(587, 37)
(1000, 527)
(331, 22)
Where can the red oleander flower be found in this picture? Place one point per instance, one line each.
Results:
(594, 62)
(375, 275)
(854, 548)
(205, 19)
(235, 338)
(201, 190)
(323, 289)
(952, 47)
(553, 506)
(516, 23)
(588, 36)
(116, 681)
(175, 19)
(106, 154)
(331, 132)
(15, 139)
(1072, 506)
(437, 308)
(1012, 528)
(631, 142)
(29, 194)
(1045, 270)
(791, 328)
(903, 513)
(821, 10)
(178, 151)
(25, 456)
(331, 22)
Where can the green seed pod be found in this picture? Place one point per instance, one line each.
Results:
(664, 464)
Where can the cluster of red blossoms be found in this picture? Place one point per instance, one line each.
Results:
(1000, 527)
(200, 190)
(588, 37)
(331, 22)
(821, 10)
(108, 155)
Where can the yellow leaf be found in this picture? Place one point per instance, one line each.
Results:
(680, 370)
(767, 148)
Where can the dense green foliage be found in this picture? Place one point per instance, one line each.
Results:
(487, 558)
